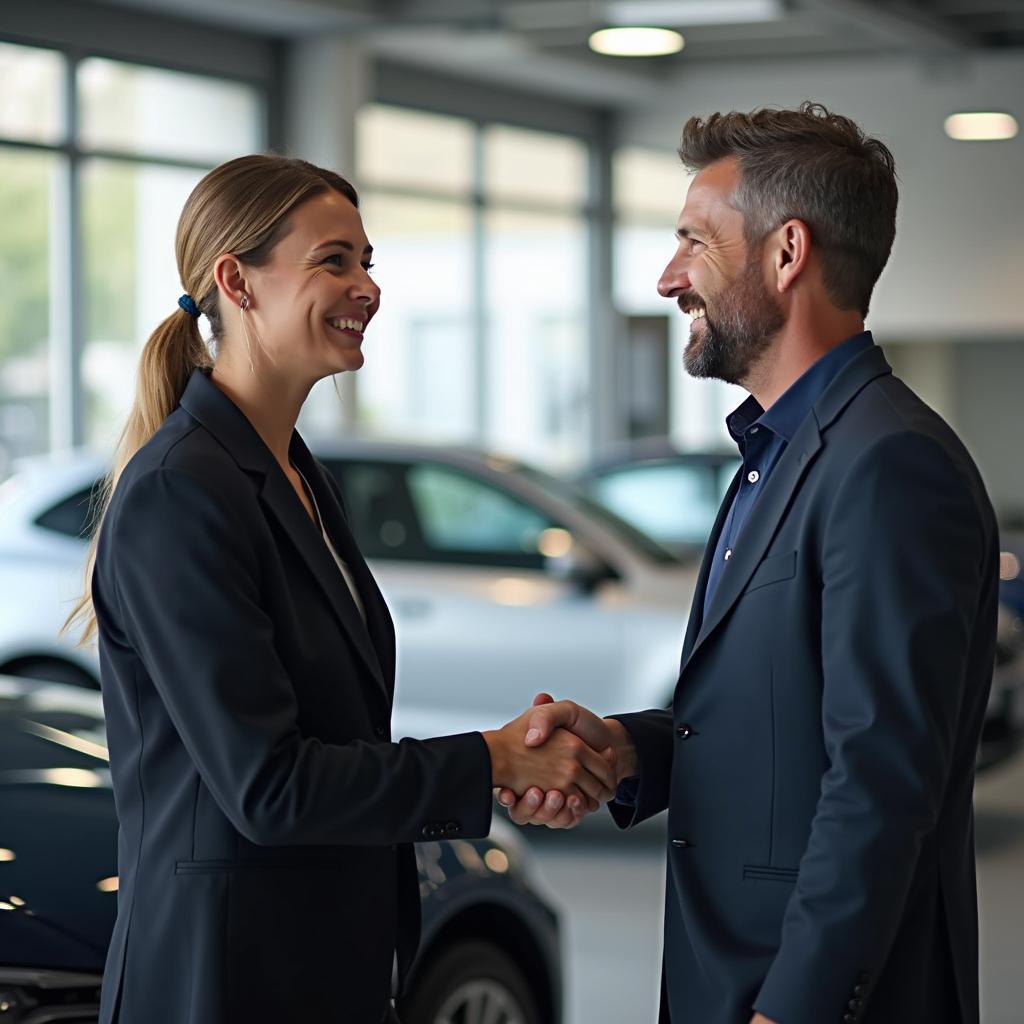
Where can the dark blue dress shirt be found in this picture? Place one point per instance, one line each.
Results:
(762, 436)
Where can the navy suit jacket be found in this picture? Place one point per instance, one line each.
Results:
(266, 818)
(818, 759)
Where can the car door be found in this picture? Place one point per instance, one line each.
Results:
(482, 624)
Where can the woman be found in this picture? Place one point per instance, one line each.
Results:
(247, 657)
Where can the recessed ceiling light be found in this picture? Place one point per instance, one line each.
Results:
(976, 127)
(636, 42)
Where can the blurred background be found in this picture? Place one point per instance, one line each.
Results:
(520, 189)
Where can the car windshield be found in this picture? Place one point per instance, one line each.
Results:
(568, 492)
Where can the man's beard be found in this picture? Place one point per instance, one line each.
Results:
(745, 320)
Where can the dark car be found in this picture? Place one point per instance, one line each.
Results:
(490, 947)
(674, 496)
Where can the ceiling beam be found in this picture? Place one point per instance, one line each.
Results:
(897, 20)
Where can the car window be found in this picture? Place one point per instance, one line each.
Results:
(72, 516)
(674, 503)
(465, 519)
(378, 507)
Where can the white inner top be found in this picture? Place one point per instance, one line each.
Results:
(345, 571)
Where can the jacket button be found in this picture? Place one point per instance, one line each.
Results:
(452, 828)
(380, 731)
(685, 731)
(859, 990)
(682, 843)
(431, 831)
(855, 1004)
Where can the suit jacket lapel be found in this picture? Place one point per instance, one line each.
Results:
(697, 608)
(378, 619)
(205, 402)
(284, 505)
(771, 506)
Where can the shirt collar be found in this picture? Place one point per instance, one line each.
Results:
(792, 407)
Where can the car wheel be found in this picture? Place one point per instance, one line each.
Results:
(473, 981)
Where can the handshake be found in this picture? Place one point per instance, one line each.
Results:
(557, 762)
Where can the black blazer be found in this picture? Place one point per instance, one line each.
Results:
(266, 871)
(818, 759)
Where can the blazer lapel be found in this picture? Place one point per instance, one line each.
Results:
(378, 619)
(764, 520)
(697, 608)
(771, 506)
(283, 503)
(205, 402)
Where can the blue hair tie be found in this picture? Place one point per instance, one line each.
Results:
(188, 304)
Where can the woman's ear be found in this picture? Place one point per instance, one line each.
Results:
(229, 273)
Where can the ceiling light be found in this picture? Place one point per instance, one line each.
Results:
(688, 13)
(976, 127)
(636, 42)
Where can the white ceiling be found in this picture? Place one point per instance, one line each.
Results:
(542, 43)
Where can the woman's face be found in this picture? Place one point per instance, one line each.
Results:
(311, 302)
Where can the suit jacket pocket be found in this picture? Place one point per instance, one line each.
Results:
(764, 873)
(773, 570)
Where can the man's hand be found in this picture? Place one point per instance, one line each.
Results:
(760, 1018)
(555, 808)
(565, 760)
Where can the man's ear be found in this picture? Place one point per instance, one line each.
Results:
(230, 274)
(791, 253)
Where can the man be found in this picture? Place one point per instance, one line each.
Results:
(818, 759)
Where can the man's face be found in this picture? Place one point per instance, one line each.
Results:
(719, 280)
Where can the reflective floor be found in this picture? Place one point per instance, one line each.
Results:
(609, 887)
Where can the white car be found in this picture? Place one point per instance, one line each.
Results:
(503, 581)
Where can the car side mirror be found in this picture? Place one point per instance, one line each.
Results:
(580, 567)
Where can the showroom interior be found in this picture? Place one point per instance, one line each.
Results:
(520, 191)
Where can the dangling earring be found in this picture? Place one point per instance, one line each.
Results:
(242, 307)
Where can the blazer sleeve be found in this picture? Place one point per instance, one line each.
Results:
(905, 562)
(188, 585)
(651, 732)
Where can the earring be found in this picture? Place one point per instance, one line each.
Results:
(242, 307)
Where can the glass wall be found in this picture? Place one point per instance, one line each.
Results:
(481, 244)
(90, 194)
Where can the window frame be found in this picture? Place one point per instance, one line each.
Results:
(130, 38)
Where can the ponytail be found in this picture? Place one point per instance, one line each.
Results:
(173, 351)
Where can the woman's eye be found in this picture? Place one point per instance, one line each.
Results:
(335, 258)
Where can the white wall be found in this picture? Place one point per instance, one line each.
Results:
(957, 269)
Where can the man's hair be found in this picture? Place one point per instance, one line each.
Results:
(814, 166)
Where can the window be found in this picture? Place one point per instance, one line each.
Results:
(481, 234)
(458, 513)
(676, 503)
(89, 201)
(649, 189)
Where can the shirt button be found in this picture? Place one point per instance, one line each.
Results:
(753, 476)
(728, 554)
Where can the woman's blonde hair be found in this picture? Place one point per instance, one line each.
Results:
(240, 207)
